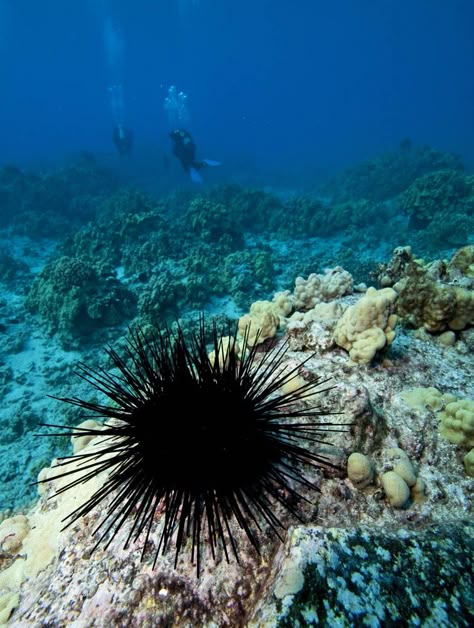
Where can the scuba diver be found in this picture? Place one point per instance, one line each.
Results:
(123, 139)
(185, 150)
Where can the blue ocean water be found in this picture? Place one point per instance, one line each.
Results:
(304, 88)
(160, 159)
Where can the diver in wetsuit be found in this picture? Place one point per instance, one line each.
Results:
(123, 139)
(184, 149)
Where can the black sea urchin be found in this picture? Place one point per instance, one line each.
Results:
(202, 440)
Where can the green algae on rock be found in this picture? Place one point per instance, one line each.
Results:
(374, 577)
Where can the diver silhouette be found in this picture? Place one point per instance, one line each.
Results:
(184, 149)
(123, 139)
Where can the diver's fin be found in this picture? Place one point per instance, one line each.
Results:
(195, 176)
(211, 162)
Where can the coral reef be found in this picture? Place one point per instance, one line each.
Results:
(379, 528)
(214, 223)
(433, 295)
(438, 195)
(73, 299)
(390, 174)
(396, 439)
(440, 207)
(46, 204)
(130, 231)
(301, 217)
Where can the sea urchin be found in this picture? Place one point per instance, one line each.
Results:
(207, 440)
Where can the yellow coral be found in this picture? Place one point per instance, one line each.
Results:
(463, 261)
(367, 326)
(464, 309)
(457, 422)
(227, 344)
(396, 489)
(283, 303)
(335, 282)
(8, 601)
(80, 440)
(12, 533)
(260, 324)
(360, 470)
(422, 398)
(469, 463)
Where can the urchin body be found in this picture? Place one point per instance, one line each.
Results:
(205, 441)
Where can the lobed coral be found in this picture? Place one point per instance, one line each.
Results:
(469, 463)
(314, 302)
(429, 294)
(261, 323)
(335, 282)
(397, 476)
(457, 422)
(456, 417)
(368, 326)
(422, 398)
(399, 479)
(81, 436)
